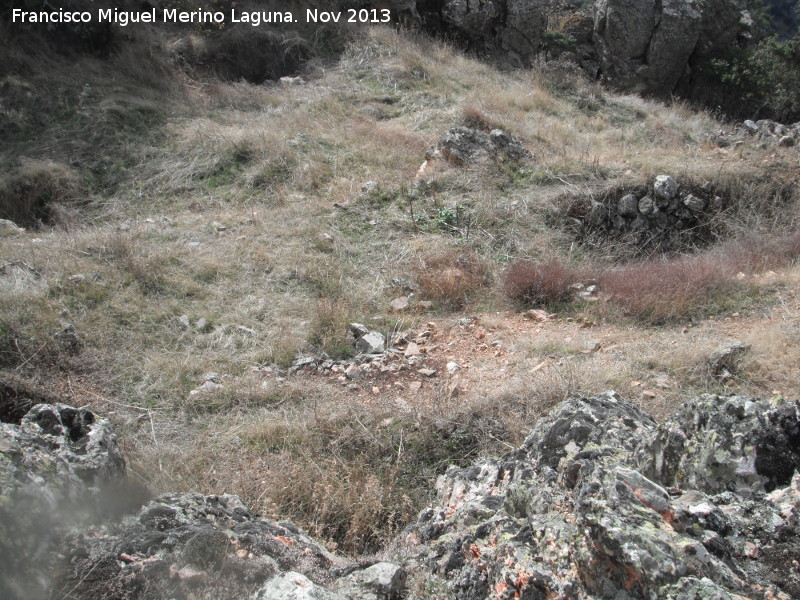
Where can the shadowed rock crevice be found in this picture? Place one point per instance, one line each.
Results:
(17, 397)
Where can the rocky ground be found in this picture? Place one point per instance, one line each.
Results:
(600, 501)
(239, 344)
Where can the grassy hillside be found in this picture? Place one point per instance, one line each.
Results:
(189, 225)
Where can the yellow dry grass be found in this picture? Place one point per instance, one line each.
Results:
(247, 211)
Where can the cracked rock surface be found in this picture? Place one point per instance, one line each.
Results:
(602, 502)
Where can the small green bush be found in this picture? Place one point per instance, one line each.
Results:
(758, 82)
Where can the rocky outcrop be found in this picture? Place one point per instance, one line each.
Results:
(62, 486)
(650, 46)
(514, 27)
(60, 466)
(602, 502)
(646, 46)
(463, 145)
(184, 544)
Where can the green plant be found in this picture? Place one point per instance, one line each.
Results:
(763, 80)
(449, 217)
(556, 42)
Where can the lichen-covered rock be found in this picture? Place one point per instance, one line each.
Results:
(294, 586)
(381, 581)
(183, 544)
(727, 443)
(62, 475)
(588, 507)
(60, 466)
(462, 145)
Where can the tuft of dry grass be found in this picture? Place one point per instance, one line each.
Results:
(661, 289)
(451, 278)
(30, 192)
(545, 283)
(329, 327)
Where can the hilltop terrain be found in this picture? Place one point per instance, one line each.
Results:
(319, 276)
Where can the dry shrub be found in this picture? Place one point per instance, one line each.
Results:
(29, 192)
(349, 503)
(759, 253)
(659, 291)
(329, 328)
(451, 278)
(352, 476)
(530, 283)
(358, 476)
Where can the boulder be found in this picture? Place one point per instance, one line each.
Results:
(726, 358)
(371, 343)
(462, 145)
(628, 206)
(588, 506)
(381, 581)
(665, 187)
(294, 586)
(647, 206)
(59, 467)
(647, 45)
(727, 444)
(694, 203)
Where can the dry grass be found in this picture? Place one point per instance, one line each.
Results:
(242, 206)
(546, 283)
(30, 193)
(450, 279)
(664, 289)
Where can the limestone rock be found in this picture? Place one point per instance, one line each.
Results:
(357, 331)
(371, 343)
(59, 466)
(750, 126)
(399, 304)
(647, 45)
(587, 507)
(665, 187)
(628, 206)
(182, 544)
(294, 586)
(727, 357)
(647, 206)
(694, 203)
(727, 443)
(7, 226)
(462, 145)
(381, 581)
